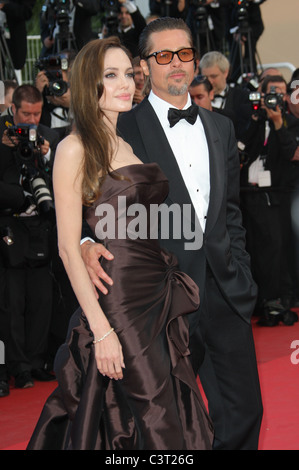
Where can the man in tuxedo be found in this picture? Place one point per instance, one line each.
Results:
(201, 162)
(229, 97)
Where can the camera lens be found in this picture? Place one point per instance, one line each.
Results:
(58, 88)
(42, 194)
(271, 101)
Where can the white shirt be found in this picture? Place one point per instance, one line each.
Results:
(219, 100)
(189, 145)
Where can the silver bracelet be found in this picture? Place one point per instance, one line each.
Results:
(103, 337)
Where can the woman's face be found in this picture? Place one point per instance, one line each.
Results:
(118, 81)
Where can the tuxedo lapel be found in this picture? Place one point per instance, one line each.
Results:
(158, 150)
(217, 170)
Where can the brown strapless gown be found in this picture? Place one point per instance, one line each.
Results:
(157, 405)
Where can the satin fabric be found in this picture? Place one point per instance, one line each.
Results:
(157, 405)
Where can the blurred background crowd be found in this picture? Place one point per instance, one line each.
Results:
(36, 299)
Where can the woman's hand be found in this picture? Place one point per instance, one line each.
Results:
(109, 357)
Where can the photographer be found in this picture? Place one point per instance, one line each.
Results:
(207, 20)
(26, 208)
(267, 182)
(62, 21)
(247, 24)
(229, 97)
(17, 12)
(174, 9)
(123, 19)
(52, 81)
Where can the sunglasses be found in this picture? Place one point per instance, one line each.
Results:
(165, 57)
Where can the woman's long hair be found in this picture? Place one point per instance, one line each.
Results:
(86, 81)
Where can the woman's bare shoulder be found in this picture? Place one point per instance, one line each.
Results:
(69, 150)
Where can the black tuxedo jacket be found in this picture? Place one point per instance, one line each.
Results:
(223, 248)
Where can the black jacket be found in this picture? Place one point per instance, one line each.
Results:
(17, 13)
(11, 191)
(82, 28)
(279, 151)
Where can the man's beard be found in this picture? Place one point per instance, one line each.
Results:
(178, 89)
(174, 90)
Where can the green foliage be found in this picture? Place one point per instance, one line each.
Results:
(32, 25)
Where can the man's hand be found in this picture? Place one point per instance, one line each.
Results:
(275, 116)
(296, 156)
(45, 147)
(41, 80)
(63, 101)
(91, 252)
(49, 42)
(10, 141)
(138, 96)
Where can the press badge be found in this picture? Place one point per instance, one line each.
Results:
(258, 175)
(264, 178)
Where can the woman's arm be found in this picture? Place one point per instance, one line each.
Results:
(67, 180)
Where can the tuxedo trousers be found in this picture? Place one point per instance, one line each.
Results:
(228, 373)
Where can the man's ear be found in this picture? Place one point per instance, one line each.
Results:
(13, 108)
(145, 68)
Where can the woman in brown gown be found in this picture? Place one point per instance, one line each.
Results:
(124, 376)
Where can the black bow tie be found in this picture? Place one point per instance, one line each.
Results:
(219, 96)
(190, 114)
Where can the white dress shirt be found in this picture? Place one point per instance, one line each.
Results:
(189, 145)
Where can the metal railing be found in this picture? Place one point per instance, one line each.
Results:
(34, 46)
(277, 65)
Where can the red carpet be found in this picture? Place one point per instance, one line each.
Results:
(279, 379)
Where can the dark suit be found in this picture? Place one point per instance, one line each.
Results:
(221, 269)
(82, 27)
(236, 102)
(267, 210)
(17, 13)
(28, 288)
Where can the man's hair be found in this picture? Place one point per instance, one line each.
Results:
(8, 85)
(210, 59)
(160, 24)
(27, 93)
(272, 79)
(202, 80)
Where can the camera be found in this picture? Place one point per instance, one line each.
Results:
(111, 9)
(201, 11)
(53, 66)
(28, 140)
(271, 99)
(41, 193)
(57, 86)
(27, 151)
(27, 154)
(56, 10)
(242, 12)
